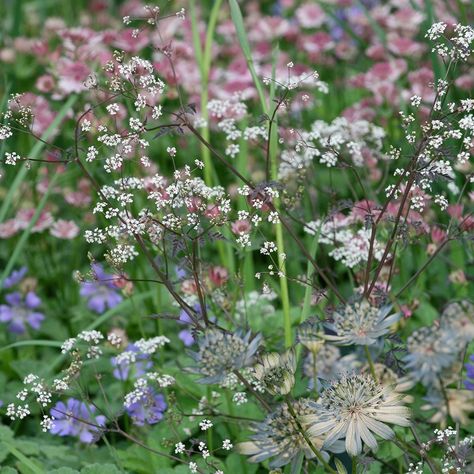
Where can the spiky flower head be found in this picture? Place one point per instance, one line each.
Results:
(355, 408)
(278, 437)
(430, 352)
(453, 403)
(276, 372)
(311, 335)
(458, 317)
(361, 323)
(220, 353)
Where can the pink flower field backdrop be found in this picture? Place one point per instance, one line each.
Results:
(236, 236)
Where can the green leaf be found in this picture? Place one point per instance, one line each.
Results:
(32, 342)
(64, 470)
(32, 466)
(101, 469)
(8, 470)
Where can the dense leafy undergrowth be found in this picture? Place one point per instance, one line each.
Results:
(236, 237)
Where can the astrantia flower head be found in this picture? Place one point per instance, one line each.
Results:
(430, 352)
(361, 323)
(311, 335)
(355, 408)
(458, 317)
(454, 404)
(221, 353)
(278, 437)
(276, 372)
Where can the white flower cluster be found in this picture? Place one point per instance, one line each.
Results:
(350, 240)
(352, 140)
(141, 386)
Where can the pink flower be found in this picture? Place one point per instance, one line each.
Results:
(63, 229)
(8, 228)
(437, 235)
(128, 43)
(218, 275)
(465, 81)
(419, 81)
(316, 44)
(45, 83)
(189, 287)
(24, 216)
(376, 52)
(310, 15)
(240, 227)
(212, 211)
(467, 224)
(455, 211)
(405, 19)
(407, 312)
(403, 46)
(72, 75)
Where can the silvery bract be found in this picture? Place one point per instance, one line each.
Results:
(276, 372)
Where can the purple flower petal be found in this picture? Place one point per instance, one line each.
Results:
(32, 300)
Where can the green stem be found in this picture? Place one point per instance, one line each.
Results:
(302, 431)
(371, 363)
(315, 375)
(284, 294)
(354, 465)
(309, 275)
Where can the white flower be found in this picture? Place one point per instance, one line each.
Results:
(361, 323)
(355, 408)
(205, 425)
(227, 445)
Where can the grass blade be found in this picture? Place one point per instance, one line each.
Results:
(238, 21)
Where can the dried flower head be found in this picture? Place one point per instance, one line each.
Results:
(355, 408)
